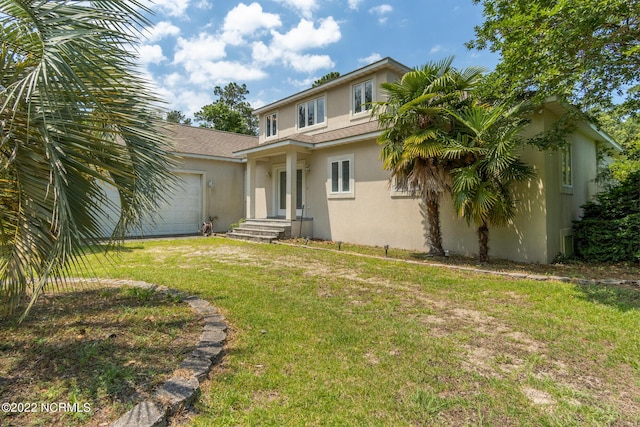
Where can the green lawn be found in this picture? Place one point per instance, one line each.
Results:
(334, 339)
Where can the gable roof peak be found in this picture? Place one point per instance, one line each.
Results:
(383, 63)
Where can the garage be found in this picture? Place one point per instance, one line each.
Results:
(180, 214)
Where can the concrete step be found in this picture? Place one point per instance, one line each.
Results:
(259, 230)
(250, 237)
(262, 230)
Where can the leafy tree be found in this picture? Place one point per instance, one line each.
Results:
(326, 78)
(73, 115)
(416, 127)
(609, 230)
(176, 116)
(583, 50)
(487, 144)
(230, 112)
(626, 131)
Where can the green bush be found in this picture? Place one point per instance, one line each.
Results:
(609, 230)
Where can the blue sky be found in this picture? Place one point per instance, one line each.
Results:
(279, 47)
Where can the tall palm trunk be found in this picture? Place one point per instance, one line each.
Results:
(483, 242)
(435, 235)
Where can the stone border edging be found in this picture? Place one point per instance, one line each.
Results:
(182, 388)
(514, 275)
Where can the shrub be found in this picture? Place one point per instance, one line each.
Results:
(609, 230)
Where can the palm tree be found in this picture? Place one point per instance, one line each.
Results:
(416, 127)
(487, 144)
(74, 116)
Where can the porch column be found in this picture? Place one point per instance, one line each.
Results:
(292, 161)
(251, 189)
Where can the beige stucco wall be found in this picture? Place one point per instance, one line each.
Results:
(225, 198)
(337, 107)
(377, 216)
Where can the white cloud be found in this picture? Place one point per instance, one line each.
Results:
(244, 20)
(304, 83)
(161, 30)
(308, 63)
(306, 36)
(262, 54)
(353, 4)
(210, 73)
(381, 11)
(437, 48)
(289, 48)
(374, 57)
(173, 8)
(150, 54)
(173, 80)
(304, 7)
(204, 47)
(204, 4)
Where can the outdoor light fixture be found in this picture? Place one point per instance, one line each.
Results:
(386, 250)
(446, 254)
(307, 169)
(210, 183)
(306, 241)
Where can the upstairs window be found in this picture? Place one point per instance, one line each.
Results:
(311, 113)
(362, 96)
(271, 125)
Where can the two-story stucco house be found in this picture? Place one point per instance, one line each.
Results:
(317, 164)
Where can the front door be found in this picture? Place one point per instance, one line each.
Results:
(281, 191)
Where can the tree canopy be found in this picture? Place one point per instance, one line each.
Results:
(584, 50)
(176, 116)
(74, 116)
(231, 112)
(326, 78)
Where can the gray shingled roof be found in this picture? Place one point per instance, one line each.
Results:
(332, 135)
(208, 142)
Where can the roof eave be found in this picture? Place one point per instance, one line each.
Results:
(274, 146)
(381, 64)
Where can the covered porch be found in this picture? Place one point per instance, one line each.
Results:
(276, 186)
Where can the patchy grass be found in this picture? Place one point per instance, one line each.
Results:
(327, 338)
(566, 267)
(100, 349)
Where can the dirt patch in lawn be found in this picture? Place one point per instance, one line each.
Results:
(85, 357)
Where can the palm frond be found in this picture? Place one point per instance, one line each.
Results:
(74, 114)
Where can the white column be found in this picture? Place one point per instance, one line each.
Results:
(251, 189)
(292, 162)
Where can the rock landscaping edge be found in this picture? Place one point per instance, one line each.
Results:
(182, 388)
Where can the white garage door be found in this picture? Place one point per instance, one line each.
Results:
(182, 213)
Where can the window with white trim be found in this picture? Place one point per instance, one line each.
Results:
(362, 97)
(567, 166)
(311, 113)
(341, 177)
(271, 125)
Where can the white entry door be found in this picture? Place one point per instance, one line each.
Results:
(281, 191)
